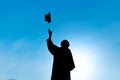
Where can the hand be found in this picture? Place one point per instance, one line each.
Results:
(50, 32)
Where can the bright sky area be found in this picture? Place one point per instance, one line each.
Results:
(91, 26)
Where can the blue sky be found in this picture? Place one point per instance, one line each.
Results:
(91, 26)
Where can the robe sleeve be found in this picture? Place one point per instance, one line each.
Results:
(71, 64)
(51, 47)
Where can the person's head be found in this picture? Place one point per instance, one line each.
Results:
(65, 44)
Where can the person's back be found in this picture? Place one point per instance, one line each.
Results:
(63, 61)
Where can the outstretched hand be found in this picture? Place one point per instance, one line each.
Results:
(50, 32)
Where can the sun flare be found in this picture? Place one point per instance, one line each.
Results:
(84, 64)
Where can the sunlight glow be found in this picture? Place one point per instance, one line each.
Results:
(84, 63)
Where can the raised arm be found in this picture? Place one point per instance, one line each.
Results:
(51, 47)
(50, 33)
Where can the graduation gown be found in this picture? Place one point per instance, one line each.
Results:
(63, 61)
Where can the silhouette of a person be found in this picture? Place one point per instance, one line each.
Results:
(63, 61)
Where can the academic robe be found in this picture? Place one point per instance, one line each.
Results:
(62, 62)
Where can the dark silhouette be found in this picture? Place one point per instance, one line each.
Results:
(63, 61)
(48, 17)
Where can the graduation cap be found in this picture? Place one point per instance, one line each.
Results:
(48, 18)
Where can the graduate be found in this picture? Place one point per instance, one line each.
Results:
(62, 59)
